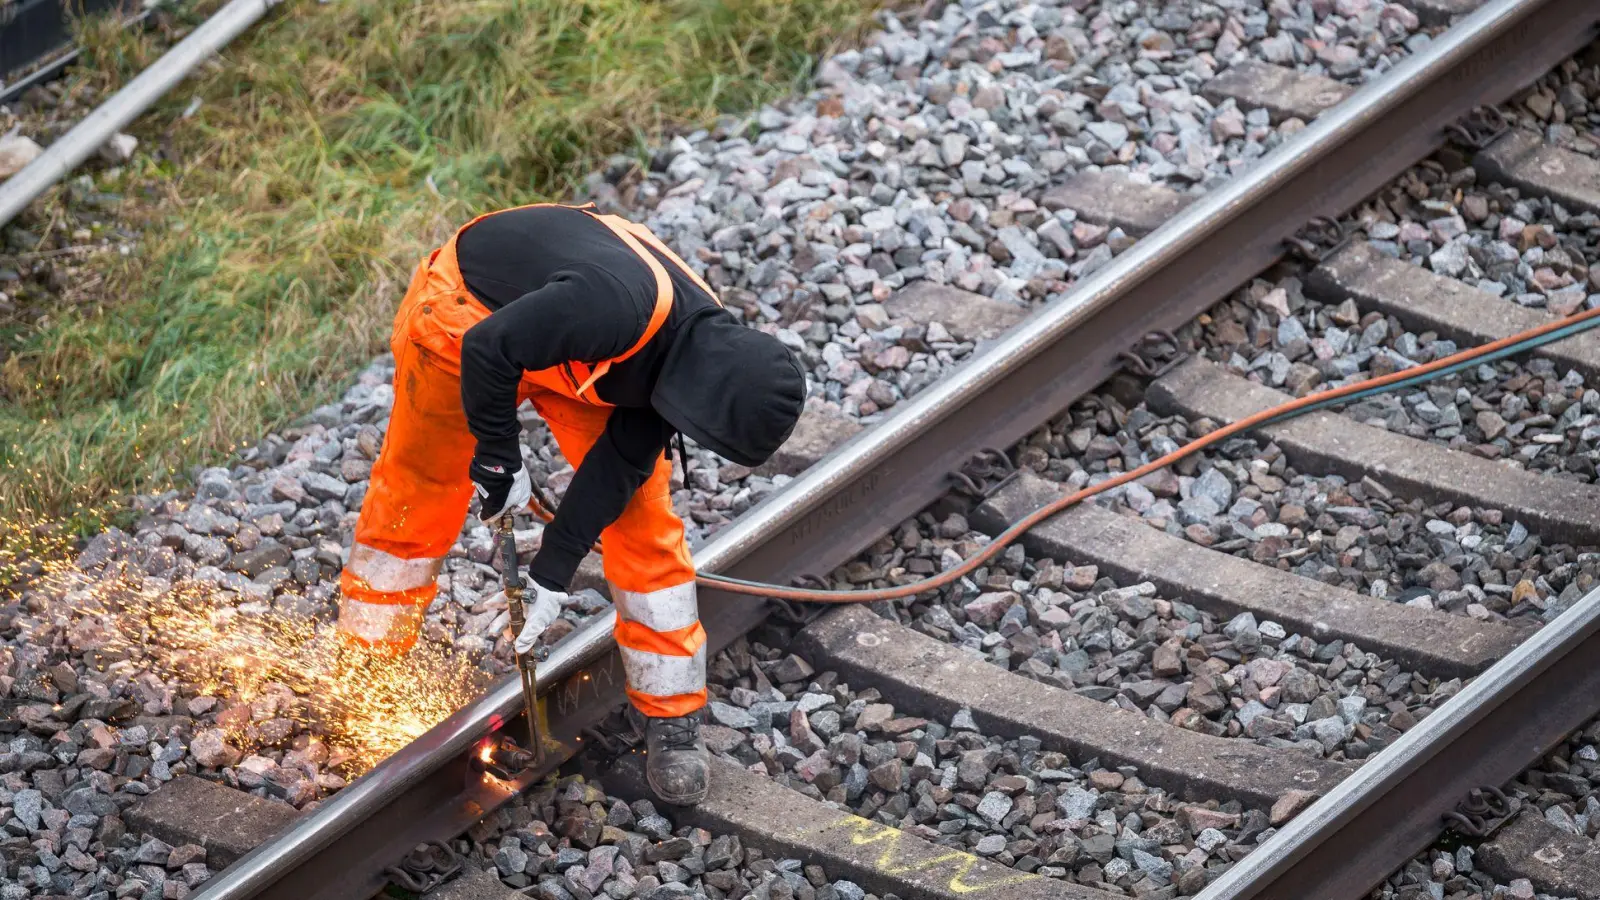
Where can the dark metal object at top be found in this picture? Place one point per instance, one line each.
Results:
(605, 740)
(884, 475)
(510, 572)
(795, 613)
(1484, 811)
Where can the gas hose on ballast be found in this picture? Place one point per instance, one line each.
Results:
(1555, 330)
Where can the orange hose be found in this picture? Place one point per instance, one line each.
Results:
(1017, 529)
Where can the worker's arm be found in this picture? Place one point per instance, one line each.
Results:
(583, 313)
(618, 463)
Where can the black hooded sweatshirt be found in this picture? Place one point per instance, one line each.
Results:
(562, 287)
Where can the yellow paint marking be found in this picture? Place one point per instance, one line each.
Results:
(894, 859)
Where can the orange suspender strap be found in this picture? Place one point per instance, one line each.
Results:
(658, 316)
(644, 234)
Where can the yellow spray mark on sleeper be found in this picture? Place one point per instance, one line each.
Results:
(896, 859)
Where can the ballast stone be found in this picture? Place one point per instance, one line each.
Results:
(16, 151)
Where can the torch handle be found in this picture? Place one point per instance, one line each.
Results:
(512, 578)
(511, 583)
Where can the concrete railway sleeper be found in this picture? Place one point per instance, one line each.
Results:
(430, 791)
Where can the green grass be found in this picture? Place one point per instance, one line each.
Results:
(276, 250)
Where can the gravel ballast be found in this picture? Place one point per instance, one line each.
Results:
(1008, 801)
(916, 158)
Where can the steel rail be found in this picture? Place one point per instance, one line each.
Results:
(1392, 808)
(428, 789)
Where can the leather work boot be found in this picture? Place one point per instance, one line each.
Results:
(677, 764)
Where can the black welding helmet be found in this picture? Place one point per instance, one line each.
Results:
(732, 389)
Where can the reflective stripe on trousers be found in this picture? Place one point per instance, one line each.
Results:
(663, 649)
(384, 597)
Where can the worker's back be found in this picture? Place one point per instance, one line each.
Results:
(509, 254)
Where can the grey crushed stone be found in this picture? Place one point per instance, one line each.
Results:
(1007, 801)
(974, 113)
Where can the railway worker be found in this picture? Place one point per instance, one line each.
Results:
(619, 346)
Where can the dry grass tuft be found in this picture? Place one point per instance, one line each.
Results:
(276, 249)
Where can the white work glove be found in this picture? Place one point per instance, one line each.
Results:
(500, 492)
(541, 606)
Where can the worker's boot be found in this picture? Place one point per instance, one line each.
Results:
(678, 765)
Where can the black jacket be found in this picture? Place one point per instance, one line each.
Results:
(562, 287)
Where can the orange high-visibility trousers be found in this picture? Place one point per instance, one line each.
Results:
(419, 493)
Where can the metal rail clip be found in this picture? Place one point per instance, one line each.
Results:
(1149, 359)
(1483, 812)
(796, 613)
(1479, 128)
(1319, 240)
(984, 473)
(425, 868)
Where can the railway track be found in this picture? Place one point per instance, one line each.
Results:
(967, 696)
